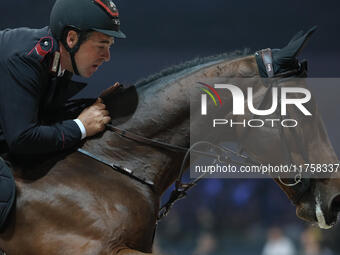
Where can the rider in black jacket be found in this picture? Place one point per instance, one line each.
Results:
(36, 66)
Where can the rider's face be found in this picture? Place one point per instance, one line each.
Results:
(93, 53)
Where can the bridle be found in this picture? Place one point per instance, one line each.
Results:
(300, 184)
(181, 188)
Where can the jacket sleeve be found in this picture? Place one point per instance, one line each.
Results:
(72, 108)
(21, 93)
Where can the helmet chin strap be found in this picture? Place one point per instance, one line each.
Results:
(72, 51)
(73, 60)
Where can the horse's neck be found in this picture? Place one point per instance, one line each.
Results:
(160, 115)
(147, 162)
(163, 113)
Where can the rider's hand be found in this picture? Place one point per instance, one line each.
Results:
(94, 118)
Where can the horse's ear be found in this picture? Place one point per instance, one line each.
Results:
(298, 42)
(285, 59)
(296, 36)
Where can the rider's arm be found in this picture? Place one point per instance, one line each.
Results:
(21, 93)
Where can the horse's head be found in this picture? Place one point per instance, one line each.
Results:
(316, 200)
(307, 143)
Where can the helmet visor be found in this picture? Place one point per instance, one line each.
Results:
(116, 34)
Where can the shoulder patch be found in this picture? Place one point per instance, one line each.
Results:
(43, 47)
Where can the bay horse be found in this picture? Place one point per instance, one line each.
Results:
(78, 205)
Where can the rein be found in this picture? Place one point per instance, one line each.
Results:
(181, 188)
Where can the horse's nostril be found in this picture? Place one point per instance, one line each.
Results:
(335, 204)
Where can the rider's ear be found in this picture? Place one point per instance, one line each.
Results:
(71, 38)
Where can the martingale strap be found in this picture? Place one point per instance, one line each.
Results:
(180, 187)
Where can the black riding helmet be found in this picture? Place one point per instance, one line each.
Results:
(83, 16)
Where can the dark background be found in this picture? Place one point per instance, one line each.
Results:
(163, 33)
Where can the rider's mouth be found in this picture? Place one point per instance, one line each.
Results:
(95, 67)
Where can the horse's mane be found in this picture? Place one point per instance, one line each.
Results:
(191, 63)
